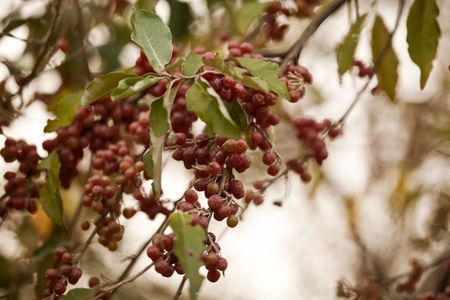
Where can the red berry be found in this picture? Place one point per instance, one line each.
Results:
(154, 252)
(273, 170)
(190, 196)
(214, 202)
(269, 158)
(222, 264)
(213, 275)
(93, 282)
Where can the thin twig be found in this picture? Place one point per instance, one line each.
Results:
(294, 52)
(90, 238)
(433, 264)
(123, 282)
(256, 29)
(377, 62)
(80, 29)
(45, 46)
(180, 288)
(8, 34)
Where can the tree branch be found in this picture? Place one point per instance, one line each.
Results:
(180, 288)
(294, 52)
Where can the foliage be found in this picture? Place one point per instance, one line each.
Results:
(194, 96)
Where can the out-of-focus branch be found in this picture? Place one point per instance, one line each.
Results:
(114, 287)
(294, 52)
(81, 34)
(180, 288)
(376, 64)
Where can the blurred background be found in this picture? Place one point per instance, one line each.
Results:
(380, 198)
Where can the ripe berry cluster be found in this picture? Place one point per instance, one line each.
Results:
(209, 165)
(116, 160)
(275, 9)
(160, 252)
(214, 264)
(296, 77)
(100, 193)
(65, 272)
(299, 167)
(95, 127)
(409, 286)
(21, 191)
(180, 118)
(110, 232)
(140, 128)
(310, 132)
(363, 69)
(435, 296)
(254, 197)
(271, 160)
(24, 153)
(147, 204)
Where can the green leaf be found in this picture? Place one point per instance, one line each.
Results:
(255, 83)
(180, 19)
(146, 4)
(206, 107)
(103, 85)
(238, 74)
(133, 85)
(156, 150)
(159, 118)
(153, 36)
(188, 248)
(237, 113)
(247, 14)
(148, 163)
(49, 194)
(345, 50)
(174, 65)
(192, 64)
(267, 71)
(386, 58)
(423, 36)
(79, 294)
(64, 111)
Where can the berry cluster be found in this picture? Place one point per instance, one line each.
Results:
(255, 103)
(140, 128)
(409, 286)
(310, 132)
(160, 252)
(274, 9)
(100, 193)
(363, 69)
(299, 167)
(254, 197)
(295, 78)
(142, 66)
(110, 232)
(96, 127)
(214, 264)
(21, 191)
(209, 166)
(271, 160)
(116, 160)
(435, 296)
(66, 272)
(180, 118)
(24, 153)
(20, 194)
(147, 204)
